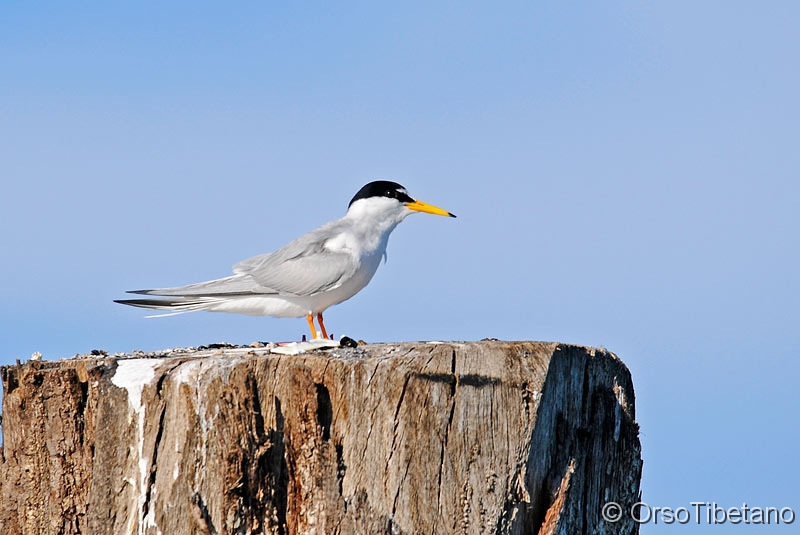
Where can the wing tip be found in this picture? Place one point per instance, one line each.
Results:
(148, 303)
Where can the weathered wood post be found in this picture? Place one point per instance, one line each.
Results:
(478, 437)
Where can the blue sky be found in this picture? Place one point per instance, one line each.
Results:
(626, 175)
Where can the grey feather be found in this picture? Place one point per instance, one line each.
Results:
(181, 305)
(239, 284)
(303, 267)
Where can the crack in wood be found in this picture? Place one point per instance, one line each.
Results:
(151, 479)
(324, 410)
(399, 488)
(201, 517)
(453, 386)
(395, 419)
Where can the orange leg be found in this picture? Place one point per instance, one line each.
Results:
(322, 326)
(310, 319)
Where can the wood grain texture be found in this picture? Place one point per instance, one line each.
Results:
(479, 437)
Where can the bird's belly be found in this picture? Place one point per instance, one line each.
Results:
(262, 305)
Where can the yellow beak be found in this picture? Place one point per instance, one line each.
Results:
(419, 206)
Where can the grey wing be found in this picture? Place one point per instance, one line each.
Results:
(239, 284)
(303, 267)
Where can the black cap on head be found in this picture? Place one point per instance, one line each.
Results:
(382, 188)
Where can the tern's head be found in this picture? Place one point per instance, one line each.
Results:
(390, 200)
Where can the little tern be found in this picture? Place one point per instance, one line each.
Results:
(317, 270)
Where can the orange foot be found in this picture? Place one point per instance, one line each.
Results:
(310, 319)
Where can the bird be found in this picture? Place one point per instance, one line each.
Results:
(319, 269)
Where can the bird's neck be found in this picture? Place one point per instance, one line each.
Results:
(373, 232)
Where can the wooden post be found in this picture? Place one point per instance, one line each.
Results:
(407, 438)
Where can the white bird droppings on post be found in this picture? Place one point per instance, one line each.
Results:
(133, 375)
